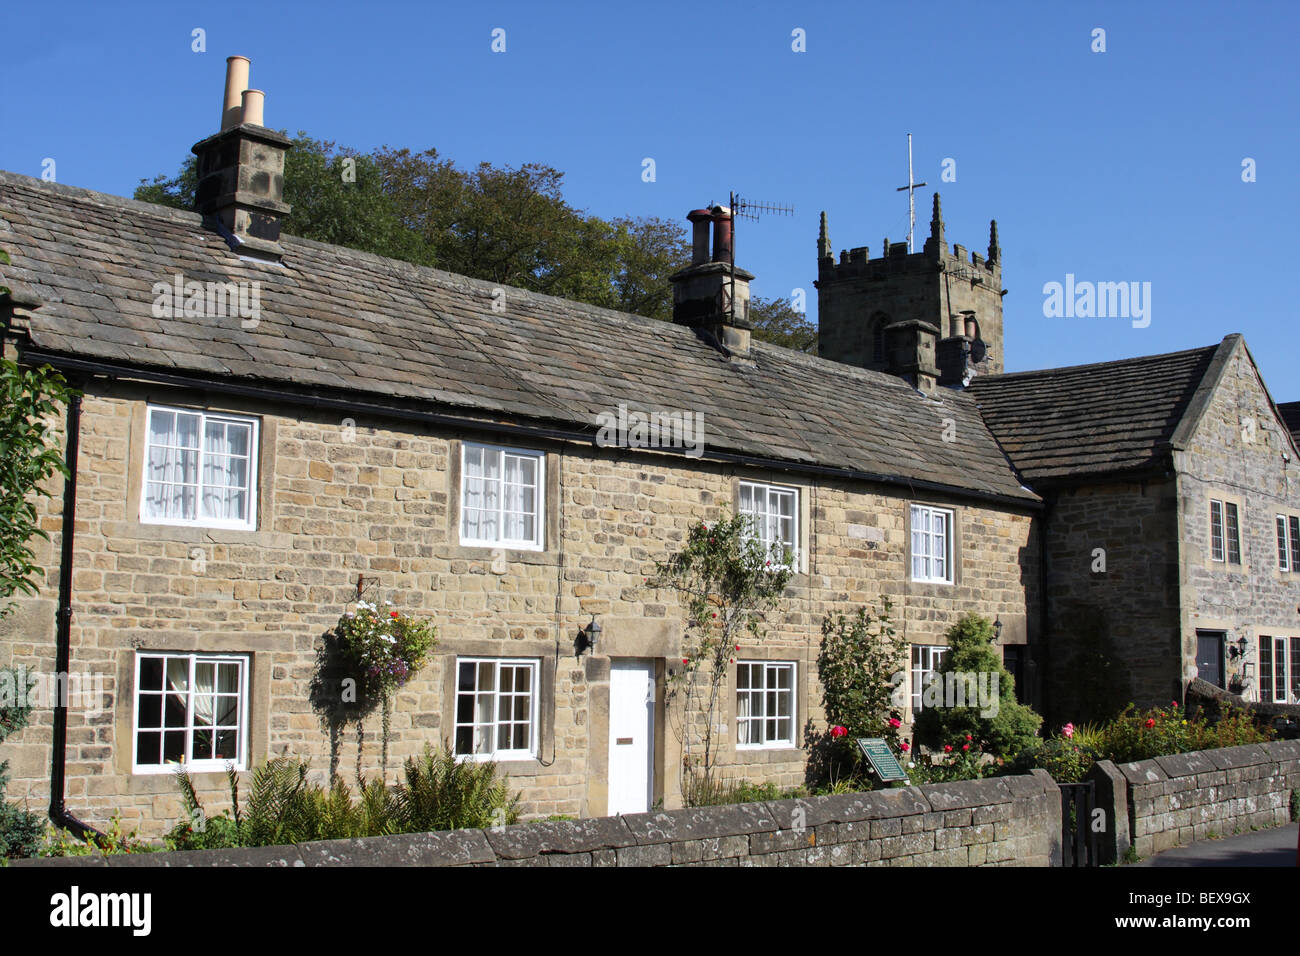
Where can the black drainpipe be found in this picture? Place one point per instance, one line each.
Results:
(63, 654)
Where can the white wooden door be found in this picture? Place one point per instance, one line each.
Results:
(631, 736)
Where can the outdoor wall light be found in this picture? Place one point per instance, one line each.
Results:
(588, 636)
(997, 628)
(1238, 648)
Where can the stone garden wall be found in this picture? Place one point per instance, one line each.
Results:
(1194, 796)
(1006, 821)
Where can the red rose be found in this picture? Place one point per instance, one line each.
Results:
(838, 731)
(905, 746)
(685, 660)
(1151, 722)
(947, 748)
(965, 746)
(969, 737)
(392, 614)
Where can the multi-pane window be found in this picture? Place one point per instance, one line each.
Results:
(1225, 532)
(199, 469)
(931, 544)
(765, 704)
(496, 708)
(1288, 543)
(501, 497)
(1279, 670)
(190, 709)
(775, 513)
(925, 665)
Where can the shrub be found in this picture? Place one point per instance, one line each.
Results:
(21, 832)
(1004, 729)
(963, 759)
(65, 843)
(859, 665)
(283, 807)
(1063, 758)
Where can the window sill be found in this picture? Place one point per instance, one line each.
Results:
(782, 753)
(486, 552)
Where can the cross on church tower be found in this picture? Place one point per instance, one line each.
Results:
(911, 197)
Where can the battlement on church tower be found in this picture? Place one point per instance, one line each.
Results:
(955, 290)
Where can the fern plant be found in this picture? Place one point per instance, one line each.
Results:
(442, 793)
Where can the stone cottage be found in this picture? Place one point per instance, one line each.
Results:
(270, 426)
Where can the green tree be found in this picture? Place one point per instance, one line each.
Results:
(1000, 726)
(509, 225)
(727, 582)
(777, 321)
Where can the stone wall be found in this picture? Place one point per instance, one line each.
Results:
(1111, 552)
(1181, 798)
(341, 498)
(1005, 821)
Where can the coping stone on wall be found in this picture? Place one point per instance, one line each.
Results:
(525, 840)
(1284, 749)
(442, 848)
(1143, 772)
(262, 856)
(700, 823)
(967, 793)
(1244, 756)
(852, 807)
(1185, 765)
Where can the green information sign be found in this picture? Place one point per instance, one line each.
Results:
(882, 759)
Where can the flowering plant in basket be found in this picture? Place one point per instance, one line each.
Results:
(382, 649)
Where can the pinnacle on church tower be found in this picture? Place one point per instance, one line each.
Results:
(824, 241)
(995, 251)
(936, 221)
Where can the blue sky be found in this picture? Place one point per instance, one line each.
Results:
(1123, 165)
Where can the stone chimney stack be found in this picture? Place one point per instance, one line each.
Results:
(702, 292)
(910, 353)
(241, 172)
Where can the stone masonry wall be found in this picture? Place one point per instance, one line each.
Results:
(1180, 798)
(337, 501)
(1236, 454)
(1112, 597)
(1004, 821)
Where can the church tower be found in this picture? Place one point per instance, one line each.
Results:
(944, 307)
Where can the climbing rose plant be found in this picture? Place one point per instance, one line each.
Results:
(727, 582)
(383, 649)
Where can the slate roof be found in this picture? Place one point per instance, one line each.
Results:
(1092, 420)
(1291, 416)
(337, 321)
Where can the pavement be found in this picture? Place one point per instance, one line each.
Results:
(1273, 847)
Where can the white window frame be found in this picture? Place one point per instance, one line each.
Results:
(768, 670)
(933, 655)
(534, 693)
(771, 494)
(199, 521)
(194, 766)
(1222, 554)
(538, 541)
(1288, 542)
(949, 519)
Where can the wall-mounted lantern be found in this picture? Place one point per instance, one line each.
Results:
(588, 636)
